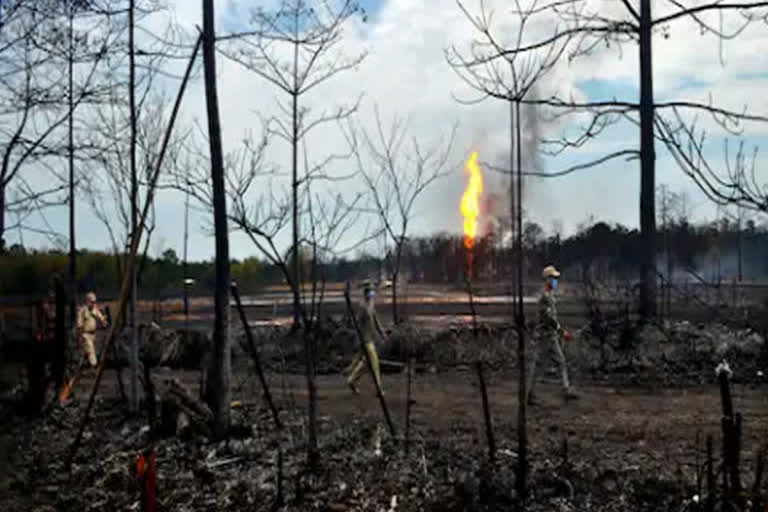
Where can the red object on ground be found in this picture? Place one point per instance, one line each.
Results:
(147, 472)
(567, 336)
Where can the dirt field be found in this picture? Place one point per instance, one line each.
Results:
(634, 441)
(613, 449)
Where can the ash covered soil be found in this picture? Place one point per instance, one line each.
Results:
(631, 442)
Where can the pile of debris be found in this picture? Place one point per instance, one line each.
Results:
(679, 351)
(676, 353)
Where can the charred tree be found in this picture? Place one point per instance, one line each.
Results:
(71, 159)
(59, 367)
(218, 393)
(309, 31)
(648, 294)
(522, 418)
(133, 404)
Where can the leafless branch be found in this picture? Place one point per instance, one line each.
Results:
(738, 183)
(396, 176)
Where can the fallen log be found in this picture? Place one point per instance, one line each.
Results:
(181, 412)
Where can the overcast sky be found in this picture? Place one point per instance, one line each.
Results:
(405, 73)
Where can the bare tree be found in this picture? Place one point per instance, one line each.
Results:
(33, 91)
(586, 28)
(133, 404)
(672, 211)
(109, 188)
(91, 37)
(264, 216)
(64, 70)
(736, 182)
(395, 176)
(25, 96)
(218, 392)
(511, 78)
(115, 130)
(309, 32)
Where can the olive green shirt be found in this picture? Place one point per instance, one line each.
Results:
(547, 314)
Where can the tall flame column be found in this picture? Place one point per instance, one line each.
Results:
(470, 209)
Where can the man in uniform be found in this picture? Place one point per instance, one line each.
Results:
(87, 318)
(369, 326)
(549, 336)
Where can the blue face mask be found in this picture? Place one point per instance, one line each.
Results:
(554, 283)
(371, 294)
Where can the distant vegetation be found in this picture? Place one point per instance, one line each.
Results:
(612, 251)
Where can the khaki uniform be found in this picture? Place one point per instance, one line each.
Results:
(549, 338)
(86, 326)
(369, 324)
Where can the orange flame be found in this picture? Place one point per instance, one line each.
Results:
(470, 201)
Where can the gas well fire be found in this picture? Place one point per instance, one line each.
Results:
(470, 206)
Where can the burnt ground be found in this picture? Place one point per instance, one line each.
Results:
(632, 442)
(617, 448)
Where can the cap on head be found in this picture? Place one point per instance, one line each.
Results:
(549, 271)
(90, 297)
(367, 286)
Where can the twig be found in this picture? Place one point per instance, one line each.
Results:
(479, 365)
(116, 355)
(279, 500)
(255, 358)
(710, 505)
(409, 370)
(486, 414)
(223, 462)
(756, 486)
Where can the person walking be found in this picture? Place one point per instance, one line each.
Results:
(549, 336)
(89, 318)
(369, 327)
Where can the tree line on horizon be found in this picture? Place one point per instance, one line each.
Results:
(693, 251)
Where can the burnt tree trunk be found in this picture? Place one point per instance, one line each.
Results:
(647, 168)
(71, 148)
(2, 216)
(408, 393)
(59, 367)
(395, 276)
(35, 362)
(296, 269)
(313, 456)
(133, 403)
(218, 392)
(522, 421)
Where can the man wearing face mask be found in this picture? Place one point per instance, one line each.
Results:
(369, 326)
(549, 336)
